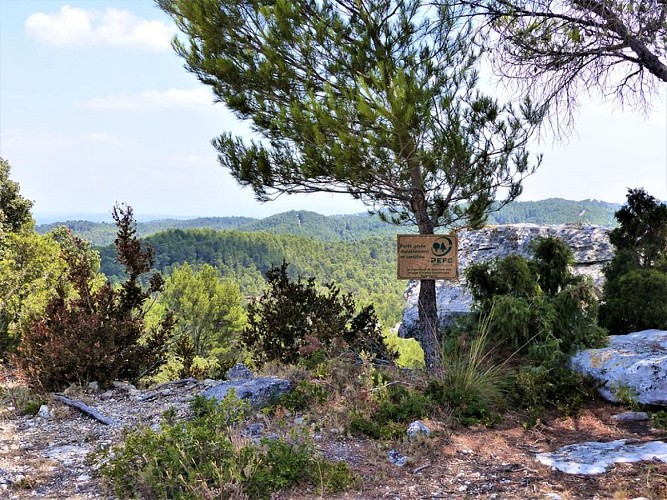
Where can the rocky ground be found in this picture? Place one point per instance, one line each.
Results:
(46, 456)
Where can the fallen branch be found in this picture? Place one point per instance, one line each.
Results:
(421, 468)
(84, 408)
(155, 393)
(176, 383)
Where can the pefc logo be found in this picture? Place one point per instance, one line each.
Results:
(442, 246)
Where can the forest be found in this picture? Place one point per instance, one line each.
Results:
(349, 227)
(355, 251)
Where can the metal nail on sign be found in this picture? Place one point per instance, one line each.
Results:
(430, 256)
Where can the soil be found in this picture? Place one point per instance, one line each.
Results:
(46, 457)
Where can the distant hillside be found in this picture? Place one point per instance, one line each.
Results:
(557, 211)
(366, 268)
(350, 227)
(104, 233)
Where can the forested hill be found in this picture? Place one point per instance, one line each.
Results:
(366, 268)
(350, 227)
(557, 211)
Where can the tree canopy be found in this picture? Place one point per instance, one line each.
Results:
(14, 208)
(374, 99)
(207, 309)
(557, 49)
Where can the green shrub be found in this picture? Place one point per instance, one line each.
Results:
(552, 258)
(292, 319)
(537, 301)
(635, 291)
(395, 407)
(206, 458)
(539, 388)
(304, 396)
(543, 315)
(640, 302)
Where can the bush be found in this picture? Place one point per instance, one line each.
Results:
(538, 388)
(639, 303)
(543, 314)
(531, 302)
(635, 291)
(207, 458)
(293, 319)
(99, 335)
(395, 406)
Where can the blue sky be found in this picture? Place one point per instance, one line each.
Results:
(96, 108)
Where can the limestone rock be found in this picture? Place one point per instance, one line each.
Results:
(44, 412)
(260, 392)
(635, 363)
(631, 416)
(590, 245)
(239, 372)
(596, 457)
(397, 458)
(417, 429)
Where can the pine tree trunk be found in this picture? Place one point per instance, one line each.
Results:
(427, 335)
(427, 328)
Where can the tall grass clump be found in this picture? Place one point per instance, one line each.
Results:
(472, 381)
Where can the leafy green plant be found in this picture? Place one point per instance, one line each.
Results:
(304, 396)
(659, 420)
(538, 388)
(293, 319)
(395, 406)
(638, 301)
(536, 301)
(635, 290)
(206, 458)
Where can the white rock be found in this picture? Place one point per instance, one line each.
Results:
(595, 457)
(44, 412)
(631, 416)
(418, 428)
(636, 362)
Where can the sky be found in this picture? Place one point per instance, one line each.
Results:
(96, 108)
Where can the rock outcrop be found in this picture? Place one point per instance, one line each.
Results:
(590, 245)
(259, 392)
(596, 457)
(634, 364)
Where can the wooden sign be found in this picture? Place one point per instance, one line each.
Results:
(424, 257)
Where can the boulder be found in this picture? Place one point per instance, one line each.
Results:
(417, 429)
(239, 372)
(596, 457)
(259, 392)
(634, 364)
(590, 245)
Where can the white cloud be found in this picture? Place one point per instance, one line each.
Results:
(45, 140)
(153, 99)
(73, 27)
(193, 159)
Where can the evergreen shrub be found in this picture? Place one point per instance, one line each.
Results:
(207, 458)
(635, 291)
(542, 313)
(293, 320)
